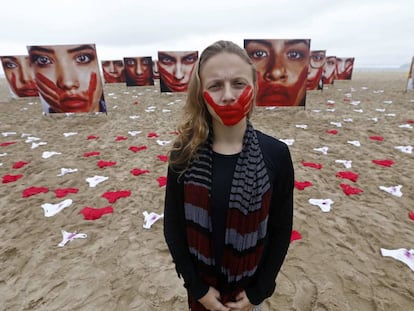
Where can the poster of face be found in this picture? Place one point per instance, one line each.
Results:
(175, 69)
(155, 72)
(113, 71)
(410, 82)
(316, 63)
(282, 66)
(138, 71)
(344, 68)
(68, 78)
(329, 70)
(19, 75)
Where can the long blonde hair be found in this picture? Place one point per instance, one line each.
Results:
(196, 121)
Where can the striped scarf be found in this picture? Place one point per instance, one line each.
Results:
(247, 216)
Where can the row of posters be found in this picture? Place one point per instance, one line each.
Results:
(68, 79)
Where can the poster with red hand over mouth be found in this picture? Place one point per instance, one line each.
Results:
(19, 75)
(67, 78)
(113, 71)
(344, 68)
(282, 67)
(175, 69)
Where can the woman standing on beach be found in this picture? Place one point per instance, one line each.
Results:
(229, 195)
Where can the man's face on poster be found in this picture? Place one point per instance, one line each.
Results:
(316, 63)
(19, 74)
(138, 71)
(175, 69)
(282, 67)
(113, 71)
(67, 77)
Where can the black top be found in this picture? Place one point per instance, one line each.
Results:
(281, 174)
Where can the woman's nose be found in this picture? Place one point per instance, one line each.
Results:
(228, 94)
(276, 71)
(178, 72)
(67, 78)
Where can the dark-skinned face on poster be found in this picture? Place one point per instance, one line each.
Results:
(175, 69)
(282, 67)
(19, 75)
(68, 78)
(138, 71)
(113, 71)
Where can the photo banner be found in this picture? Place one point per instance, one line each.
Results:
(282, 67)
(113, 71)
(138, 71)
(410, 80)
(68, 78)
(329, 70)
(19, 76)
(344, 68)
(175, 68)
(316, 63)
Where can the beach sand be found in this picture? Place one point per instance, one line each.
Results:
(336, 265)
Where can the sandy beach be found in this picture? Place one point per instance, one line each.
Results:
(120, 265)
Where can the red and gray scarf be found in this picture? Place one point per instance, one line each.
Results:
(247, 216)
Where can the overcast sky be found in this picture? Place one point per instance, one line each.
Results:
(378, 33)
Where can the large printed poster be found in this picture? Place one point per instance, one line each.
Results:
(175, 68)
(113, 71)
(410, 81)
(68, 78)
(344, 68)
(282, 66)
(329, 70)
(316, 63)
(138, 71)
(19, 75)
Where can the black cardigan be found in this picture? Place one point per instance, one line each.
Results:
(280, 169)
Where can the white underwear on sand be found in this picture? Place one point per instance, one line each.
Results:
(402, 254)
(70, 134)
(395, 190)
(93, 181)
(346, 163)
(48, 154)
(405, 149)
(35, 145)
(70, 236)
(324, 149)
(53, 209)
(150, 219)
(324, 204)
(163, 142)
(64, 171)
(356, 143)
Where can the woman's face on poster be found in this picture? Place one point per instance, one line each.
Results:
(175, 69)
(329, 69)
(19, 74)
(138, 70)
(344, 66)
(67, 77)
(113, 71)
(316, 63)
(282, 67)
